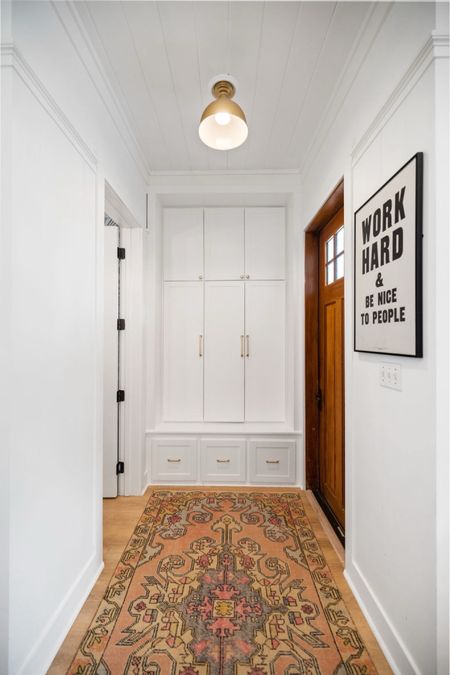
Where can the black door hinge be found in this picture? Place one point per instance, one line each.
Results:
(120, 467)
(120, 324)
(120, 396)
(121, 253)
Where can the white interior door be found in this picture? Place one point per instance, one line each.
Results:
(265, 242)
(183, 351)
(111, 361)
(224, 243)
(183, 244)
(265, 349)
(224, 351)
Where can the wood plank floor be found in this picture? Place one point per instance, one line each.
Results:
(119, 519)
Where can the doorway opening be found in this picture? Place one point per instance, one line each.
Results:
(113, 394)
(324, 359)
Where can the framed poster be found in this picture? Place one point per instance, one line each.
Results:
(388, 266)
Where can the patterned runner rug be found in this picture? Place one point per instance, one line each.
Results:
(222, 583)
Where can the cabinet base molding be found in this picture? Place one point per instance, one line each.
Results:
(205, 459)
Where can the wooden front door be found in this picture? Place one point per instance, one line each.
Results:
(330, 396)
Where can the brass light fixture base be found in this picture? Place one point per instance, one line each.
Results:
(223, 88)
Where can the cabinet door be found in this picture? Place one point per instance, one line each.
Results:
(183, 244)
(265, 351)
(224, 243)
(224, 360)
(173, 460)
(265, 243)
(183, 351)
(272, 461)
(223, 460)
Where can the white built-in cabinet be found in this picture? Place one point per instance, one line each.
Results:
(183, 356)
(224, 356)
(183, 244)
(224, 346)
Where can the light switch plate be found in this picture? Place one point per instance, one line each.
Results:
(391, 375)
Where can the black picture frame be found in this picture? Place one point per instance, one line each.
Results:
(418, 261)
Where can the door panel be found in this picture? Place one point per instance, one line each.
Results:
(224, 359)
(183, 351)
(265, 351)
(183, 244)
(265, 243)
(224, 243)
(111, 361)
(331, 368)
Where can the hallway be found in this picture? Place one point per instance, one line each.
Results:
(224, 246)
(120, 517)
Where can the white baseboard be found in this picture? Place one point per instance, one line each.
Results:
(393, 647)
(39, 659)
(145, 482)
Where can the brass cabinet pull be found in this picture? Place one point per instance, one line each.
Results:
(242, 346)
(223, 461)
(272, 461)
(200, 345)
(247, 353)
(174, 461)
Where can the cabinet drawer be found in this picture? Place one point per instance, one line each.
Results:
(272, 462)
(174, 460)
(223, 461)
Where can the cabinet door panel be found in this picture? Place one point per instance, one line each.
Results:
(265, 243)
(224, 243)
(224, 365)
(272, 461)
(183, 244)
(265, 351)
(183, 360)
(223, 460)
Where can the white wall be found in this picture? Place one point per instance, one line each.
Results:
(66, 139)
(391, 437)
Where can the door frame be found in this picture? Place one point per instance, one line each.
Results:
(327, 211)
(132, 482)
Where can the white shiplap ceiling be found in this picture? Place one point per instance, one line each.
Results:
(286, 56)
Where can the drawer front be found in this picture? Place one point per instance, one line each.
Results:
(223, 461)
(173, 460)
(272, 462)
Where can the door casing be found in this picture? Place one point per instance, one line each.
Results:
(327, 211)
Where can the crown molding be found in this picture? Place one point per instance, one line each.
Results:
(436, 47)
(11, 57)
(70, 18)
(228, 172)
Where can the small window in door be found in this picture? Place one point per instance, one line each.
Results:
(334, 257)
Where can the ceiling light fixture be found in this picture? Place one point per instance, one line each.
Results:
(223, 125)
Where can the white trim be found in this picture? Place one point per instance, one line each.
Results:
(145, 482)
(54, 632)
(388, 638)
(69, 16)
(117, 210)
(435, 47)
(227, 172)
(12, 58)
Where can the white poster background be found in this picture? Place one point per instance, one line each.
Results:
(400, 274)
